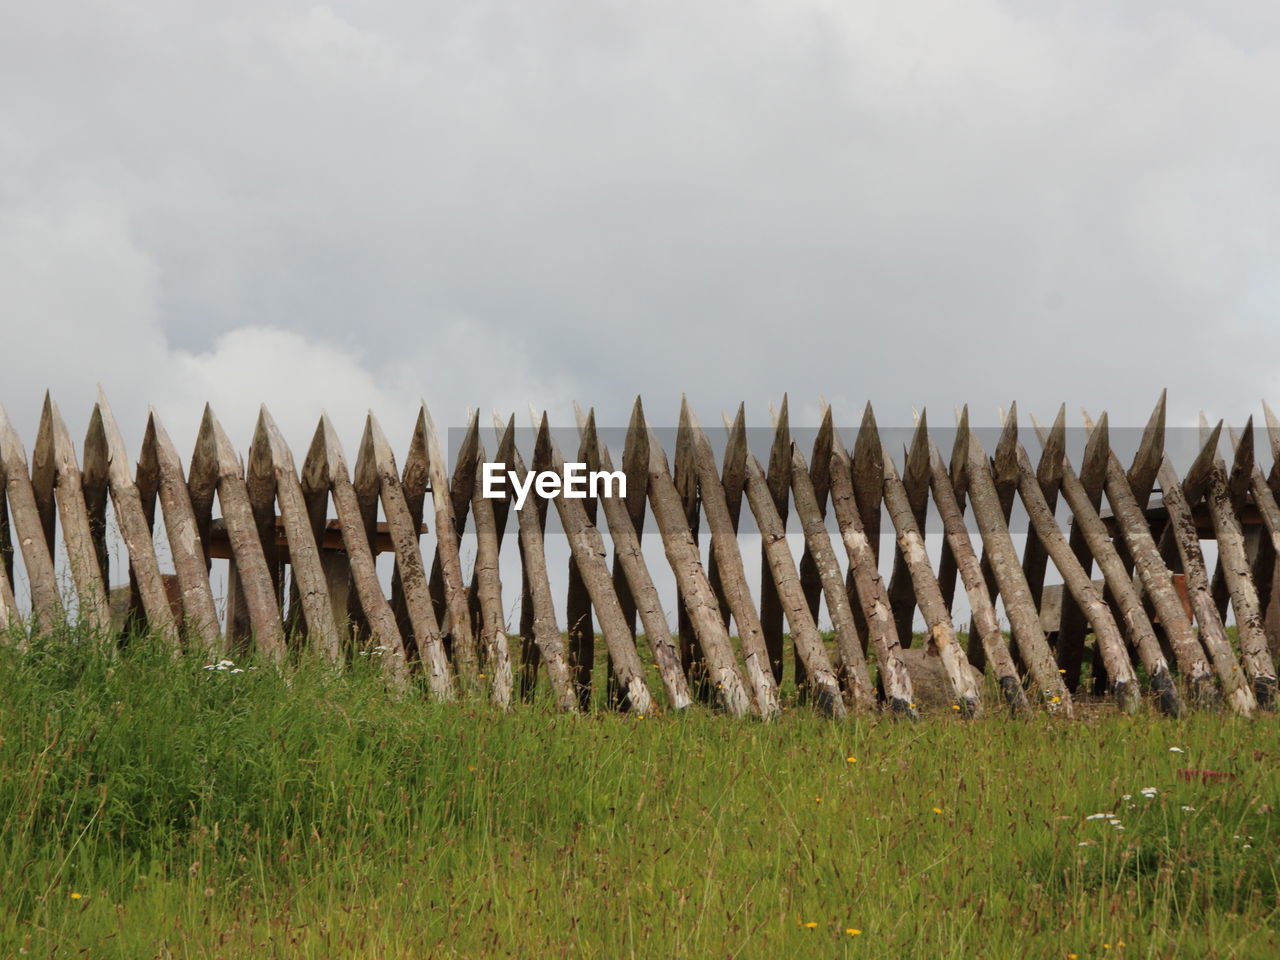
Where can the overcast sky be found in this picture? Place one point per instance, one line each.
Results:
(490, 203)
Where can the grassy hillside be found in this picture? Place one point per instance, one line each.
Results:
(153, 808)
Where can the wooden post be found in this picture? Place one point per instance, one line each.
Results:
(105, 446)
(684, 475)
(447, 528)
(304, 553)
(1124, 682)
(810, 649)
(733, 577)
(1049, 474)
(242, 530)
(160, 460)
(869, 587)
(488, 587)
(260, 481)
(587, 547)
(969, 567)
(82, 555)
(579, 625)
(778, 483)
(546, 633)
(853, 664)
(915, 486)
(1024, 619)
(46, 605)
(404, 537)
(1269, 509)
(326, 469)
(811, 578)
(942, 638)
(629, 559)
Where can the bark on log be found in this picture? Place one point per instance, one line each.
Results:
(942, 638)
(629, 559)
(1024, 619)
(700, 600)
(810, 650)
(404, 538)
(242, 530)
(724, 546)
(587, 547)
(162, 468)
(853, 664)
(1124, 682)
(868, 586)
(309, 575)
(326, 468)
(545, 632)
(46, 605)
(487, 582)
(82, 555)
(105, 441)
(969, 567)
(778, 484)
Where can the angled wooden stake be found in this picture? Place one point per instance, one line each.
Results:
(487, 583)
(546, 633)
(1049, 473)
(46, 605)
(82, 554)
(161, 469)
(868, 586)
(242, 530)
(733, 476)
(778, 482)
(1024, 619)
(323, 632)
(447, 529)
(587, 547)
(942, 637)
(629, 558)
(810, 650)
(326, 469)
(733, 577)
(852, 660)
(1124, 681)
(405, 540)
(106, 446)
(684, 475)
(967, 564)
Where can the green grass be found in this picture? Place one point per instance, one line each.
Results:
(153, 808)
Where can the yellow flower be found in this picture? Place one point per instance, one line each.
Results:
(482, 676)
(955, 706)
(472, 769)
(76, 896)
(1073, 956)
(1106, 946)
(1055, 699)
(810, 925)
(639, 716)
(1064, 671)
(817, 799)
(850, 759)
(853, 931)
(1119, 943)
(937, 809)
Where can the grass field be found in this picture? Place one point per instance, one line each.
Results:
(153, 808)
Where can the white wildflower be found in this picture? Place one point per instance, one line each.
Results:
(1176, 750)
(1187, 809)
(1149, 792)
(1099, 816)
(237, 670)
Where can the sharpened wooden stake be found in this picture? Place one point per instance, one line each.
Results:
(487, 582)
(587, 547)
(46, 604)
(629, 558)
(853, 664)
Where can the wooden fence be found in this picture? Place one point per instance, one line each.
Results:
(302, 584)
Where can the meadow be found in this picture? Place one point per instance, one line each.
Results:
(158, 808)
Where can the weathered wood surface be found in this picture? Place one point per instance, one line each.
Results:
(546, 633)
(810, 650)
(812, 580)
(106, 447)
(46, 602)
(487, 581)
(778, 484)
(1002, 558)
(914, 485)
(1035, 559)
(942, 637)
(684, 475)
(629, 559)
(969, 567)
(852, 660)
(733, 578)
(587, 548)
(77, 535)
(325, 468)
(160, 467)
(699, 600)
(404, 535)
(868, 586)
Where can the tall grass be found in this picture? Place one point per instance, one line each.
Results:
(157, 808)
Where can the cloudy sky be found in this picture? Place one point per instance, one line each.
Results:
(488, 203)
